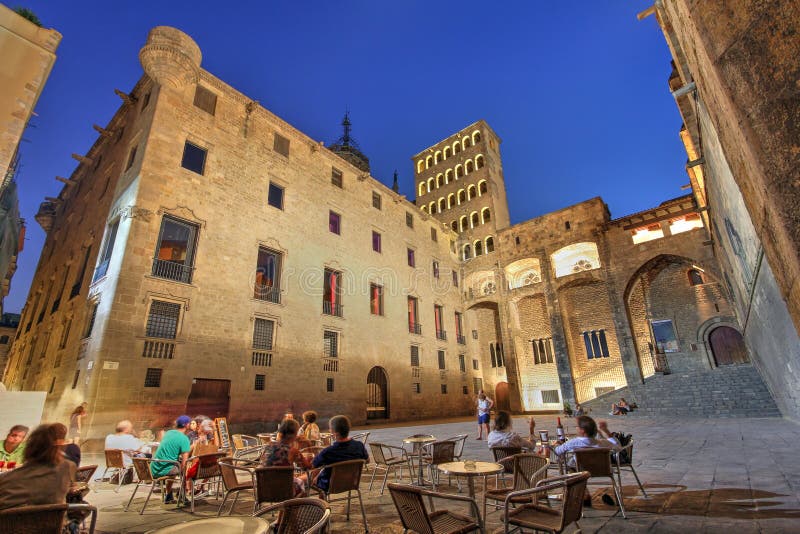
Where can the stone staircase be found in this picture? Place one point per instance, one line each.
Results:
(728, 391)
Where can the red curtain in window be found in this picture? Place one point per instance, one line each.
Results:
(376, 300)
(437, 315)
(333, 283)
(412, 312)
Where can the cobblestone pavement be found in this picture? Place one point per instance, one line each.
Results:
(701, 475)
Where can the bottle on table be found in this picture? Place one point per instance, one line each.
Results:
(560, 431)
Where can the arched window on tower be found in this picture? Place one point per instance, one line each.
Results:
(451, 200)
(472, 192)
(695, 277)
(462, 196)
(421, 189)
(454, 226)
(463, 221)
(459, 171)
(442, 204)
(467, 252)
(474, 219)
(465, 143)
(489, 244)
(447, 152)
(482, 187)
(476, 137)
(424, 209)
(478, 248)
(420, 166)
(430, 185)
(469, 166)
(437, 157)
(486, 215)
(432, 207)
(456, 147)
(439, 180)
(428, 162)
(448, 176)
(479, 161)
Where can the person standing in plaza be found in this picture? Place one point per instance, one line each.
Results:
(484, 407)
(76, 423)
(175, 446)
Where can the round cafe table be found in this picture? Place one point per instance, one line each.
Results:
(420, 440)
(218, 525)
(470, 471)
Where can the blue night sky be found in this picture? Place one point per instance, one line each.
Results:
(577, 90)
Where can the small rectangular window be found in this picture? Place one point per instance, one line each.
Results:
(263, 333)
(334, 222)
(329, 385)
(205, 100)
(74, 379)
(108, 249)
(162, 320)
(414, 356)
(411, 260)
(434, 236)
(442, 362)
(87, 332)
(145, 100)
(455, 279)
(194, 158)
(376, 241)
(465, 390)
(260, 380)
(475, 364)
(268, 273)
(275, 196)
(550, 396)
(435, 269)
(281, 145)
(375, 299)
(132, 158)
(331, 344)
(444, 389)
(409, 220)
(477, 385)
(336, 177)
(416, 388)
(65, 334)
(462, 363)
(152, 379)
(376, 200)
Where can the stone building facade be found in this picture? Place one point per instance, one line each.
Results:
(207, 257)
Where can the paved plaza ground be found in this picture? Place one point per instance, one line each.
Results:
(702, 475)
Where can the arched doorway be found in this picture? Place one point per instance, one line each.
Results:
(377, 394)
(727, 346)
(501, 400)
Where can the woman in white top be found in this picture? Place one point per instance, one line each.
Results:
(504, 436)
(484, 407)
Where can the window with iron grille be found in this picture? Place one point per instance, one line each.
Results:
(376, 200)
(336, 177)
(331, 344)
(90, 321)
(414, 356)
(477, 385)
(75, 378)
(409, 220)
(275, 196)
(550, 396)
(131, 158)
(444, 389)
(194, 158)
(263, 330)
(434, 236)
(442, 362)
(152, 379)
(416, 387)
(542, 350)
(205, 100)
(462, 363)
(281, 145)
(329, 385)
(162, 321)
(260, 380)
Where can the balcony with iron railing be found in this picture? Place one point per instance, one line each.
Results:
(172, 270)
(441, 334)
(261, 359)
(462, 340)
(332, 308)
(415, 328)
(159, 349)
(330, 365)
(268, 293)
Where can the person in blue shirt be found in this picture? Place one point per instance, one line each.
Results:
(343, 448)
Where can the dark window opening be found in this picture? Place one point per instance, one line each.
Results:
(194, 158)
(205, 100)
(268, 271)
(152, 379)
(281, 145)
(336, 177)
(335, 222)
(259, 383)
(162, 321)
(275, 196)
(175, 250)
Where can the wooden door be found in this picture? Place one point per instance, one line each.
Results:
(209, 397)
(727, 346)
(501, 397)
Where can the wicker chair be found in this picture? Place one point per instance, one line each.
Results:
(85, 473)
(438, 452)
(619, 466)
(299, 516)
(597, 461)
(244, 441)
(207, 469)
(388, 458)
(415, 516)
(273, 484)
(345, 477)
(42, 519)
(500, 454)
(116, 462)
(534, 516)
(460, 440)
(228, 468)
(146, 478)
(528, 469)
(363, 437)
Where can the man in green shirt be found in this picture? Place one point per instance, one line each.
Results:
(174, 446)
(12, 449)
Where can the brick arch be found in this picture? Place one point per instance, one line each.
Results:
(659, 262)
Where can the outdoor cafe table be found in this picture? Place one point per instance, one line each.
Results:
(420, 440)
(466, 469)
(218, 525)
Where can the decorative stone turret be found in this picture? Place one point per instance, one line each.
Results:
(170, 57)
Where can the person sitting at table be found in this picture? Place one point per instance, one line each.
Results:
(284, 452)
(70, 451)
(504, 436)
(124, 440)
(174, 446)
(620, 408)
(44, 478)
(343, 448)
(579, 411)
(309, 430)
(12, 449)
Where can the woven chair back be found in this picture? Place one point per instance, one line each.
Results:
(142, 467)
(84, 474)
(361, 436)
(274, 484)
(376, 451)
(345, 476)
(114, 458)
(47, 518)
(573, 498)
(442, 452)
(228, 473)
(460, 440)
(411, 508)
(525, 468)
(208, 466)
(238, 442)
(300, 515)
(597, 461)
(504, 452)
